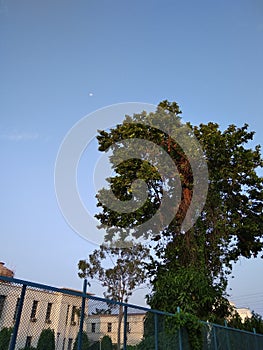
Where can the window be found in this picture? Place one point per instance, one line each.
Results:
(2, 302)
(67, 314)
(48, 313)
(128, 327)
(16, 309)
(28, 342)
(73, 313)
(93, 327)
(70, 341)
(63, 346)
(109, 327)
(34, 310)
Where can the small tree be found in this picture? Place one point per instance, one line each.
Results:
(106, 343)
(84, 344)
(46, 340)
(127, 272)
(5, 337)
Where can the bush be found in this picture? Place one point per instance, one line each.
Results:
(106, 343)
(5, 337)
(95, 346)
(46, 340)
(84, 344)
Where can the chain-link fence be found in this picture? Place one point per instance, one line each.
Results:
(34, 316)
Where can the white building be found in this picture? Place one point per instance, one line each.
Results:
(42, 309)
(100, 325)
(243, 312)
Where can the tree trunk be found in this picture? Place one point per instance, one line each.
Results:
(120, 316)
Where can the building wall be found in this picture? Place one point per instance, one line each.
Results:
(100, 325)
(242, 311)
(61, 320)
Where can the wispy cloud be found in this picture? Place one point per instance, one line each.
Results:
(19, 136)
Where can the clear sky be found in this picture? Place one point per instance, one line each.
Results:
(61, 60)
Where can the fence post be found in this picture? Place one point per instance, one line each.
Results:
(18, 317)
(125, 328)
(214, 336)
(180, 333)
(82, 315)
(155, 331)
(227, 335)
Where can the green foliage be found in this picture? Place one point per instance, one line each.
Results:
(95, 346)
(5, 337)
(255, 322)
(106, 343)
(125, 274)
(170, 329)
(189, 269)
(250, 324)
(235, 321)
(192, 325)
(85, 342)
(46, 340)
(191, 289)
(166, 341)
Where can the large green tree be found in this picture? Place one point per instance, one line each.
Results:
(189, 267)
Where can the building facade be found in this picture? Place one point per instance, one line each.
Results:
(108, 324)
(42, 309)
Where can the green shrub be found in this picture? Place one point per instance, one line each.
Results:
(5, 337)
(106, 343)
(84, 344)
(46, 340)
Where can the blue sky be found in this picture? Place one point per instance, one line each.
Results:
(206, 55)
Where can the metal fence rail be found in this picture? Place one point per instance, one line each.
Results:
(37, 316)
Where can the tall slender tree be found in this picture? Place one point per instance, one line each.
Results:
(126, 272)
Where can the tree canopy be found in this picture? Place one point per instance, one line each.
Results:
(189, 266)
(123, 272)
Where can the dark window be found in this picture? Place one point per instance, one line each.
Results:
(93, 327)
(70, 341)
(28, 341)
(48, 313)
(128, 327)
(16, 309)
(109, 327)
(78, 313)
(2, 302)
(63, 346)
(67, 314)
(73, 313)
(34, 309)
